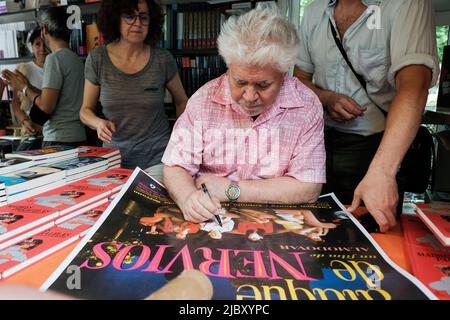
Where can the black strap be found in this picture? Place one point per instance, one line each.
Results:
(360, 78)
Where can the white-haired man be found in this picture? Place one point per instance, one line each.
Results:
(252, 135)
(391, 45)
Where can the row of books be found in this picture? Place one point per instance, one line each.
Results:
(12, 38)
(9, 6)
(195, 71)
(29, 173)
(86, 37)
(38, 226)
(192, 25)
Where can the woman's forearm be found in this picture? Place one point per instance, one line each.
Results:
(18, 112)
(89, 118)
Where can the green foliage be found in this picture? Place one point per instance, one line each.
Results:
(442, 39)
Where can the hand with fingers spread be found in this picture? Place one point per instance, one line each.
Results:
(342, 108)
(105, 130)
(379, 193)
(199, 207)
(16, 79)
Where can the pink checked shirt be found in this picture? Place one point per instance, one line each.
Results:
(215, 136)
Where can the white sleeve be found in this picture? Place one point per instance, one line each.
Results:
(413, 38)
(304, 61)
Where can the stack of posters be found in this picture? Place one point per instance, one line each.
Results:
(33, 248)
(430, 260)
(30, 216)
(436, 216)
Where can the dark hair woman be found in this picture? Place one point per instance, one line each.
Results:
(129, 75)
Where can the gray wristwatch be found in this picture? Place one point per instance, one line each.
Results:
(233, 192)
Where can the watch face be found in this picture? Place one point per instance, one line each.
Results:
(233, 192)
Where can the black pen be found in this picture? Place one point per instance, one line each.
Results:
(205, 190)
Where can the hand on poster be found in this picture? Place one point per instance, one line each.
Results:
(198, 207)
(379, 193)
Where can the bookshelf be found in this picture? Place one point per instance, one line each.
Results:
(15, 60)
(33, 14)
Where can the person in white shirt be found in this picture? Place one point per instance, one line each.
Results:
(34, 71)
(392, 47)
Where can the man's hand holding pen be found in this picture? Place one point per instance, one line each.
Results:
(204, 203)
(200, 207)
(205, 190)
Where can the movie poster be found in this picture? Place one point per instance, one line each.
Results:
(298, 252)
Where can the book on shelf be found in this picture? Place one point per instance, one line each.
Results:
(430, 260)
(436, 216)
(197, 70)
(191, 25)
(9, 6)
(36, 4)
(13, 39)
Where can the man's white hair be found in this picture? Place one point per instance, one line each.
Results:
(261, 37)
